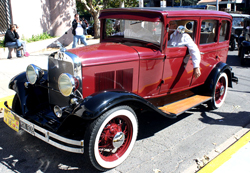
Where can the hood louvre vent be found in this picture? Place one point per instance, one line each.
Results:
(121, 79)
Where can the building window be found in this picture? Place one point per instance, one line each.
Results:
(5, 16)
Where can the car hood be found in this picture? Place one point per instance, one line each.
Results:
(105, 53)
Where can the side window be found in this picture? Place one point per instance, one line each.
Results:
(189, 27)
(224, 30)
(208, 31)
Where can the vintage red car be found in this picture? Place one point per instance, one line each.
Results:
(89, 98)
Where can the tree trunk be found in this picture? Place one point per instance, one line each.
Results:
(121, 3)
(96, 25)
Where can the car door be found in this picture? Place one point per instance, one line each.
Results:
(212, 51)
(178, 66)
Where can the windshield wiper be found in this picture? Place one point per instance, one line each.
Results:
(135, 23)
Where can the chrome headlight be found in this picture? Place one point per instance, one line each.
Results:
(33, 73)
(66, 84)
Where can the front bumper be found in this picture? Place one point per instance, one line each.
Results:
(58, 141)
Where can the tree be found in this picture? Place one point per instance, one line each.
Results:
(189, 2)
(94, 7)
(118, 3)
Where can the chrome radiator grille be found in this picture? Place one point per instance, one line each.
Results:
(56, 67)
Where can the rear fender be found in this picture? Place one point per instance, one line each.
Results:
(212, 78)
(95, 105)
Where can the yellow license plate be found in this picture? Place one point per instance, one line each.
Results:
(11, 120)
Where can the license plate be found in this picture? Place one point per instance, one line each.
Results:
(11, 120)
(28, 127)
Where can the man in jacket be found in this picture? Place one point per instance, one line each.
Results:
(12, 40)
(78, 31)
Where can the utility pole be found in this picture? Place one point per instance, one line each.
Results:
(141, 3)
(180, 2)
(217, 5)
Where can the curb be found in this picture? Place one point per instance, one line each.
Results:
(9, 99)
(226, 155)
(214, 157)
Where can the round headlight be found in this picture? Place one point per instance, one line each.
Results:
(66, 84)
(33, 73)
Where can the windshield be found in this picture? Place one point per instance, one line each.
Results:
(237, 21)
(133, 29)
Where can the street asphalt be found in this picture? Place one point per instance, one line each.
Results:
(234, 155)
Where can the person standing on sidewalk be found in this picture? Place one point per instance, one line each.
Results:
(78, 31)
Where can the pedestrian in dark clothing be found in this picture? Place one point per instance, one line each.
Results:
(78, 31)
(12, 40)
(87, 25)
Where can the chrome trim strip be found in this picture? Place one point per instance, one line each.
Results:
(79, 145)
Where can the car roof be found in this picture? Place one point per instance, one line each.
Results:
(169, 11)
(239, 15)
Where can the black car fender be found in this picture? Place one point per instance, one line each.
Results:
(17, 83)
(213, 76)
(245, 43)
(95, 105)
(234, 36)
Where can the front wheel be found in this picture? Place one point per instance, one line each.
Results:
(219, 91)
(110, 138)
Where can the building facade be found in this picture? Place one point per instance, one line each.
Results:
(239, 6)
(36, 17)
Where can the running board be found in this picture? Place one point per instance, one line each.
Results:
(181, 106)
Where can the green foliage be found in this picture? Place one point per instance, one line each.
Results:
(185, 2)
(1, 43)
(106, 4)
(109, 27)
(39, 37)
(34, 38)
(127, 3)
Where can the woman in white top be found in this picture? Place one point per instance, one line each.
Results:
(78, 31)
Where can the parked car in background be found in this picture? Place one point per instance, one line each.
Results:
(237, 27)
(89, 98)
(244, 48)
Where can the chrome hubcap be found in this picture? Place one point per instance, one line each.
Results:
(118, 139)
(222, 90)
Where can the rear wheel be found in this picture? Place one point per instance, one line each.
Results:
(219, 91)
(110, 138)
